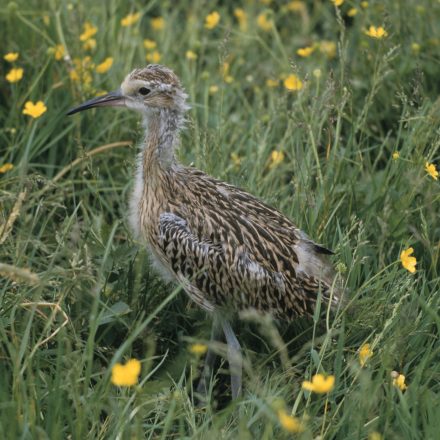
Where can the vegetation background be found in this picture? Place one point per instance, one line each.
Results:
(338, 139)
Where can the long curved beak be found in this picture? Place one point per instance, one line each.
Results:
(112, 99)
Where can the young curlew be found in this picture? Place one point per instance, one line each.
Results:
(229, 250)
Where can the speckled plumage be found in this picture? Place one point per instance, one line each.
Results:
(229, 250)
(225, 246)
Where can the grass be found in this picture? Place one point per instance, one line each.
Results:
(77, 294)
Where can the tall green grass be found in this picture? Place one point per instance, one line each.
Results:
(77, 294)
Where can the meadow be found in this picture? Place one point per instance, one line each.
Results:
(327, 110)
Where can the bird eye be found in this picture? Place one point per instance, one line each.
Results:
(144, 91)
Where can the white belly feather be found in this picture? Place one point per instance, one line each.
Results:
(135, 224)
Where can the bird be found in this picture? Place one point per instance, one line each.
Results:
(230, 251)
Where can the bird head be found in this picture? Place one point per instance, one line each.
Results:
(147, 90)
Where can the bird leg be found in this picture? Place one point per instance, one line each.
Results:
(216, 333)
(234, 358)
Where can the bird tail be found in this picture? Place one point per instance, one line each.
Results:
(313, 261)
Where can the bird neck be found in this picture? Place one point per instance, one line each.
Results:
(161, 140)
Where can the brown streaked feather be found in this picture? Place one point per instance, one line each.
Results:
(232, 249)
(156, 73)
(226, 247)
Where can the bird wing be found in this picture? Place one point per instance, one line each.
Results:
(214, 275)
(231, 214)
(282, 245)
(186, 255)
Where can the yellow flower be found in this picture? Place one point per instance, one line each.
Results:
(236, 159)
(11, 57)
(292, 82)
(272, 82)
(6, 167)
(190, 55)
(375, 436)
(34, 110)
(241, 16)
(328, 48)
(82, 70)
(396, 155)
(224, 69)
(212, 20)
(157, 23)
(149, 44)
(352, 12)
(319, 384)
(130, 19)
(364, 4)
(305, 51)
(15, 75)
(89, 44)
(376, 32)
(399, 380)
(431, 170)
(365, 352)
(213, 90)
(317, 73)
(126, 375)
(264, 23)
(337, 2)
(89, 31)
(58, 52)
(276, 157)
(289, 423)
(415, 47)
(85, 63)
(74, 75)
(296, 6)
(153, 57)
(105, 65)
(408, 262)
(198, 349)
